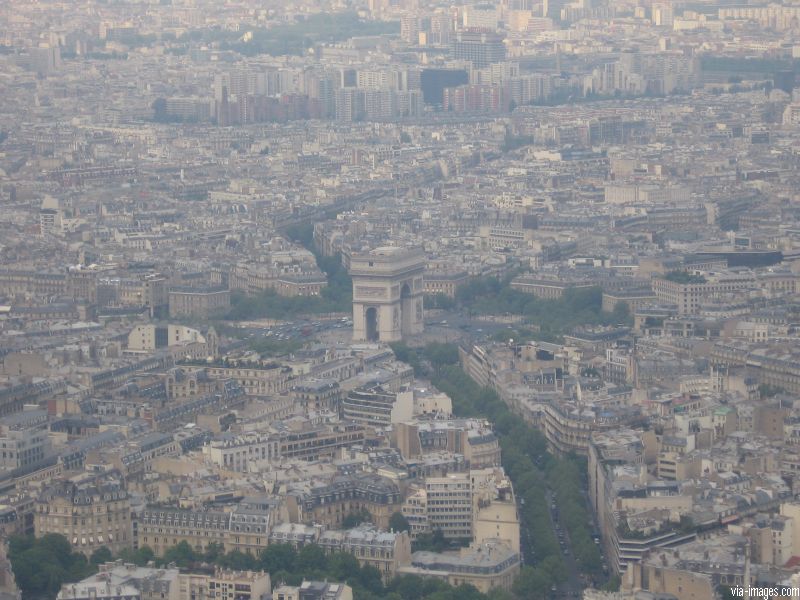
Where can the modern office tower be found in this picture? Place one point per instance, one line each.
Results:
(409, 29)
(552, 8)
(45, 60)
(481, 48)
(483, 16)
(349, 104)
(441, 29)
(450, 505)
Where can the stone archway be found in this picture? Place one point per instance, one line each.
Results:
(371, 318)
(406, 309)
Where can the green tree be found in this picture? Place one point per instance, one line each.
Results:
(532, 583)
(621, 312)
(398, 522)
(466, 591)
(144, 555)
(181, 554)
(278, 557)
(407, 355)
(612, 585)
(238, 561)
(408, 587)
(302, 234)
(311, 558)
(343, 567)
(499, 594)
(337, 296)
(766, 390)
(214, 552)
(546, 319)
(355, 519)
(42, 565)
(370, 579)
(440, 354)
(287, 577)
(100, 556)
(412, 587)
(439, 301)
(269, 347)
(431, 542)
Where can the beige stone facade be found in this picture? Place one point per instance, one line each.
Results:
(91, 513)
(388, 285)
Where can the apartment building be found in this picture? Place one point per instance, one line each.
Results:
(633, 299)
(91, 513)
(198, 302)
(482, 48)
(492, 564)
(494, 509)
(472, 438)
(37, 283)
(242, 452)
(225, 585)
(386, 551)
(330, 504)
(191, 342)
(125, 581)
(778, 365)
(297, 280)
(256, 379)
(311, 441)
(296, 535)
(548, 289)
(318, 394)
(378, 407)
(689, 292)
(149, 290)
(619, 488)
(477, 505)
(694, 570)
(24, 441)
(568, 425)
(245, 528)
(313, 590)
(449, 505)
(439, 282)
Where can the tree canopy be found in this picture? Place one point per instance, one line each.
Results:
(398, 522)
(42, 564)
(533, 470)
(548, 318)
(337, 296)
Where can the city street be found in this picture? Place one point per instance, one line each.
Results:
(572, 587)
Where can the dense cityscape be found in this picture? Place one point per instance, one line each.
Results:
(399, 299)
